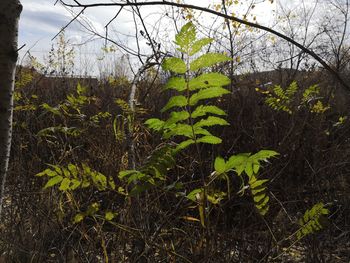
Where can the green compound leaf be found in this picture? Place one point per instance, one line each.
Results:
(53, 181)
(186, 37)
(263, 155)
(313, 220)
(211, 121)
(47, 172)
(259, 194)
(197, 45)
(208, 60)
(176, 101)
(202, 110)
(176, 65)
(176, 83)
(208, 93)
(210, 139)
(207, 80)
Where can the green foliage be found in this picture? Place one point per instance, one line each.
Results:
(51, 131)
(250, 165)
(152, 173)
(208, 60)
(259, 194)
(314, 220)
(311, 98)
(22, 102)
(187, 120)
(176, 65)
(72, 110)
(281, 99)
(311, 93)
(73, 176)
(91, 211)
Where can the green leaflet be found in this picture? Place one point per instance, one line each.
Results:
(207, 80)
(179, 129)
(219, 165)
(65, 184)
(263, 155)
(176, 83)
(207, 93)
(73, 170)
(176, 65)
(197, 45)
(53, 181)
(184, 144)
(208, 60)
(155, 124)
(210, 121)
(193, 194)
(47, 172)
(176, 101)
(175, 117)
(186, 130)
(210, 139)
(202, 110)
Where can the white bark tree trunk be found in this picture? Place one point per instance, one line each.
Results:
(9, 15)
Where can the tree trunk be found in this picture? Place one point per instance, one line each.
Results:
(9, 15)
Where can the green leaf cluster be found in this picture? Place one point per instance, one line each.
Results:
(281, 99)
(313, 220)
(152, 173)
(189, 117)
(91, 211)
(249, 165)
(72, 176)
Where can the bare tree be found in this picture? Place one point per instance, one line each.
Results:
(9, 15)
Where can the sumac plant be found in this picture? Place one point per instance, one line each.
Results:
(191, 116)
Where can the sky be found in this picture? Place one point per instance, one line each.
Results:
(41, 20)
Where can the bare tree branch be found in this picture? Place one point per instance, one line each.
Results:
(210, 11)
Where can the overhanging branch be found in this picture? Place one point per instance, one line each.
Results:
(210, 11)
